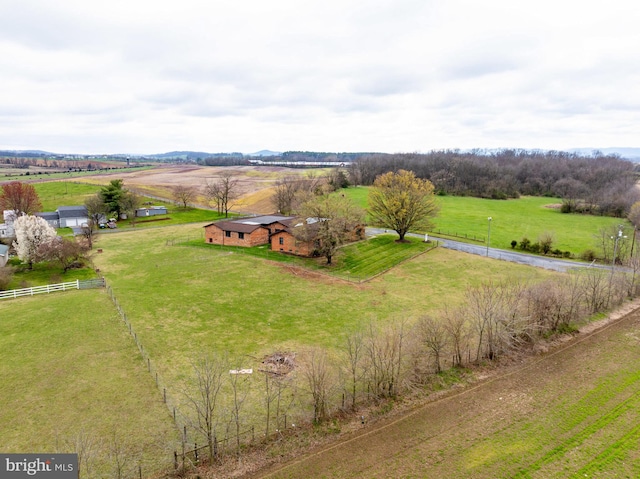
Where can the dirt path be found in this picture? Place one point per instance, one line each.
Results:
(449, 437)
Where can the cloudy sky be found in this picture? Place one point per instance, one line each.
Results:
(142, 76)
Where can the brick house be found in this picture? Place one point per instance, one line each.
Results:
(251, 231)
(285, 241)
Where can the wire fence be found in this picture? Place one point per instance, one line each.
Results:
(470, 237)
(179, 418)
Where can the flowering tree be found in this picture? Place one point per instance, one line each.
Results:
(31, 232)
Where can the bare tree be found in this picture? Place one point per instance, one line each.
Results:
(129, 203)
(329, 222)
(354, 351)
(384, 351)
(210, 372)
(223, 191)
(595, 285)
(6, 275)
(433, 336)
(211, 191)
(319, 381)
(483, 307)
(286, 193)
(239, 390)
(612, 241)
(121, 454)
(184, 195)
(456, 327)
(96, 213)
(67, 252)
(86, 446)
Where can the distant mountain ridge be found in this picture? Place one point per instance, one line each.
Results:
(629, 153)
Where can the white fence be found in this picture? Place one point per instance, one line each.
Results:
(51, 288)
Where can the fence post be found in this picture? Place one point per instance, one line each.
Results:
(77, 284)
(175, 460)
(195, 451)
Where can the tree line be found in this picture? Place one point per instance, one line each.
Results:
(598, 184)
(382, 362)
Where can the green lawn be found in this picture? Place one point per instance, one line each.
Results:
(358, 261)
(527, 216)
(63, 193)
(67, 365)
(183, 300)
(46, 273)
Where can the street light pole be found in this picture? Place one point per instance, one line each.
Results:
(615, 247)
(489, 235)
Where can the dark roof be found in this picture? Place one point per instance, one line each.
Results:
(72, 211)
(236, 227)
(251, 223)
(49, 215)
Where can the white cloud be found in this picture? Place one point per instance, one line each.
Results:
(142, 77)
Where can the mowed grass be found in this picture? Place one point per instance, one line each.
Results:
(53, 194)
(359, 261)
(573, 414)
(527, 216)
(365, 259)
(184, 300)
(67, 364)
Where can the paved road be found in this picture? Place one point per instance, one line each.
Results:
(505, 255)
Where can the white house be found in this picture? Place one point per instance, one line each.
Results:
(6, 228)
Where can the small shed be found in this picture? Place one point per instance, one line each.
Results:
(4, 255)
(151, 211)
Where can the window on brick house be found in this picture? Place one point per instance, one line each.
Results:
(240, 235)
(281, 240)
(227, 234)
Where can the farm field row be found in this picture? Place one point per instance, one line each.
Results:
(572, 413)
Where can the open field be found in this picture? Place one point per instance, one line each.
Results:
(254, 183)
(183, 299)
(40, 175)
(67, 367)
(571, 413)
(527, 216)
